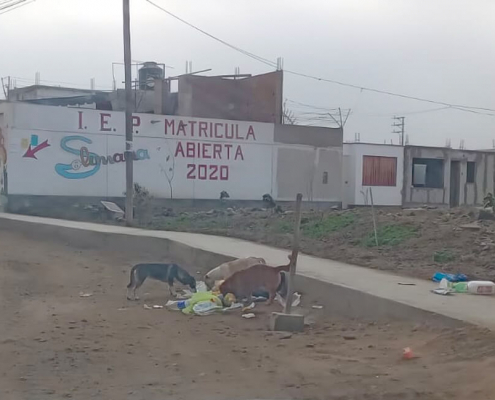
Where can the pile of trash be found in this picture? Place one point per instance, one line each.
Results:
(205, 302)
(459, 283)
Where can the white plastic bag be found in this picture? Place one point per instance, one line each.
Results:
(205, 308)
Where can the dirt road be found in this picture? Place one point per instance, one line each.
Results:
(55, 344)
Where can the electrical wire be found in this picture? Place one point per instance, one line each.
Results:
(247, 53)
(459, 107)
(14, 5)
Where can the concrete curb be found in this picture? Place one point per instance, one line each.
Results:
(337, 298)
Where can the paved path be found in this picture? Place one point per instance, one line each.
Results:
(474, 309)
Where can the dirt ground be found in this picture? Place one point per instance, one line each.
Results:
(55, 344)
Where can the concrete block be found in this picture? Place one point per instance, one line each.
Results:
(286, 322)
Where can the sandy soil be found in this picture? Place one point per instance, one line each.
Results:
(55, 344)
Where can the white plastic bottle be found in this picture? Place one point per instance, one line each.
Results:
(481, 287)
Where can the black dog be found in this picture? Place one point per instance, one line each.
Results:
(161, 272)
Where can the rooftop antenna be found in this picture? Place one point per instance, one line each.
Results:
(357, 137)
(461, 144)
(280, 63)
(37, 78)
(448, 143)
(407, 140)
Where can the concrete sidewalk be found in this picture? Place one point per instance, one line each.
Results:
(464, 307)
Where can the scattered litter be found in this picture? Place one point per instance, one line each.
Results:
(206, 308)
(82, 294)
(201, 286)
(317, 307)
(407, 354)
(406, 284)
(443, 292)
(296, 299)
(110, 206)
(122, 309)
(186, 306)
(249, 307)
(248, 316)
(444, 284)
(187, 294)
(113, 209)
(438, 276)
(233, 306)
(284, 335)
(481, 287)
(154, 307)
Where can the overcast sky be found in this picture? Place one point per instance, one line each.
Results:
(436, 49)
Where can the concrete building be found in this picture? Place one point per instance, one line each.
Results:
(446, 177)
(61, 151)
(230, 97)
(378, 167)
(415, 175)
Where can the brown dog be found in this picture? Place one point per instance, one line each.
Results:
(227, 269)
(243, 283)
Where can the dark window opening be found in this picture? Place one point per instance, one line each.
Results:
(471, 172)
(379, 171)
(325, 178)
(427, 172)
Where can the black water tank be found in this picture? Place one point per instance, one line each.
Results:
(148, 73)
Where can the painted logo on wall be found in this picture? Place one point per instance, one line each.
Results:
(90, 159)
(33, 146)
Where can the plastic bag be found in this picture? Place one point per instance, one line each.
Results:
(206, 308)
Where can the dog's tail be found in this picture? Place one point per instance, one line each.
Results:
(132, 281)
(285, 268)
(281, 268)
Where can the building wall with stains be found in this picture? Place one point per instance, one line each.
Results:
(59, 151)
(356, 192)
(469, 192)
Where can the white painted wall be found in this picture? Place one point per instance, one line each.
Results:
(203, 163)
(354, 189)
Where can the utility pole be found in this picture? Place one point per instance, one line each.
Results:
(129, 184)
(400, 131)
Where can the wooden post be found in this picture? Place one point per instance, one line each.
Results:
(373, 216)
(295, 252)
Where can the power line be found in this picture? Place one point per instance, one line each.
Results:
(459, 107)
(13, 5)
(247, 53)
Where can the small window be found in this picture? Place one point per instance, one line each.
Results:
(427, 172)
(379, 171)
(325, 177)
(471, 172)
